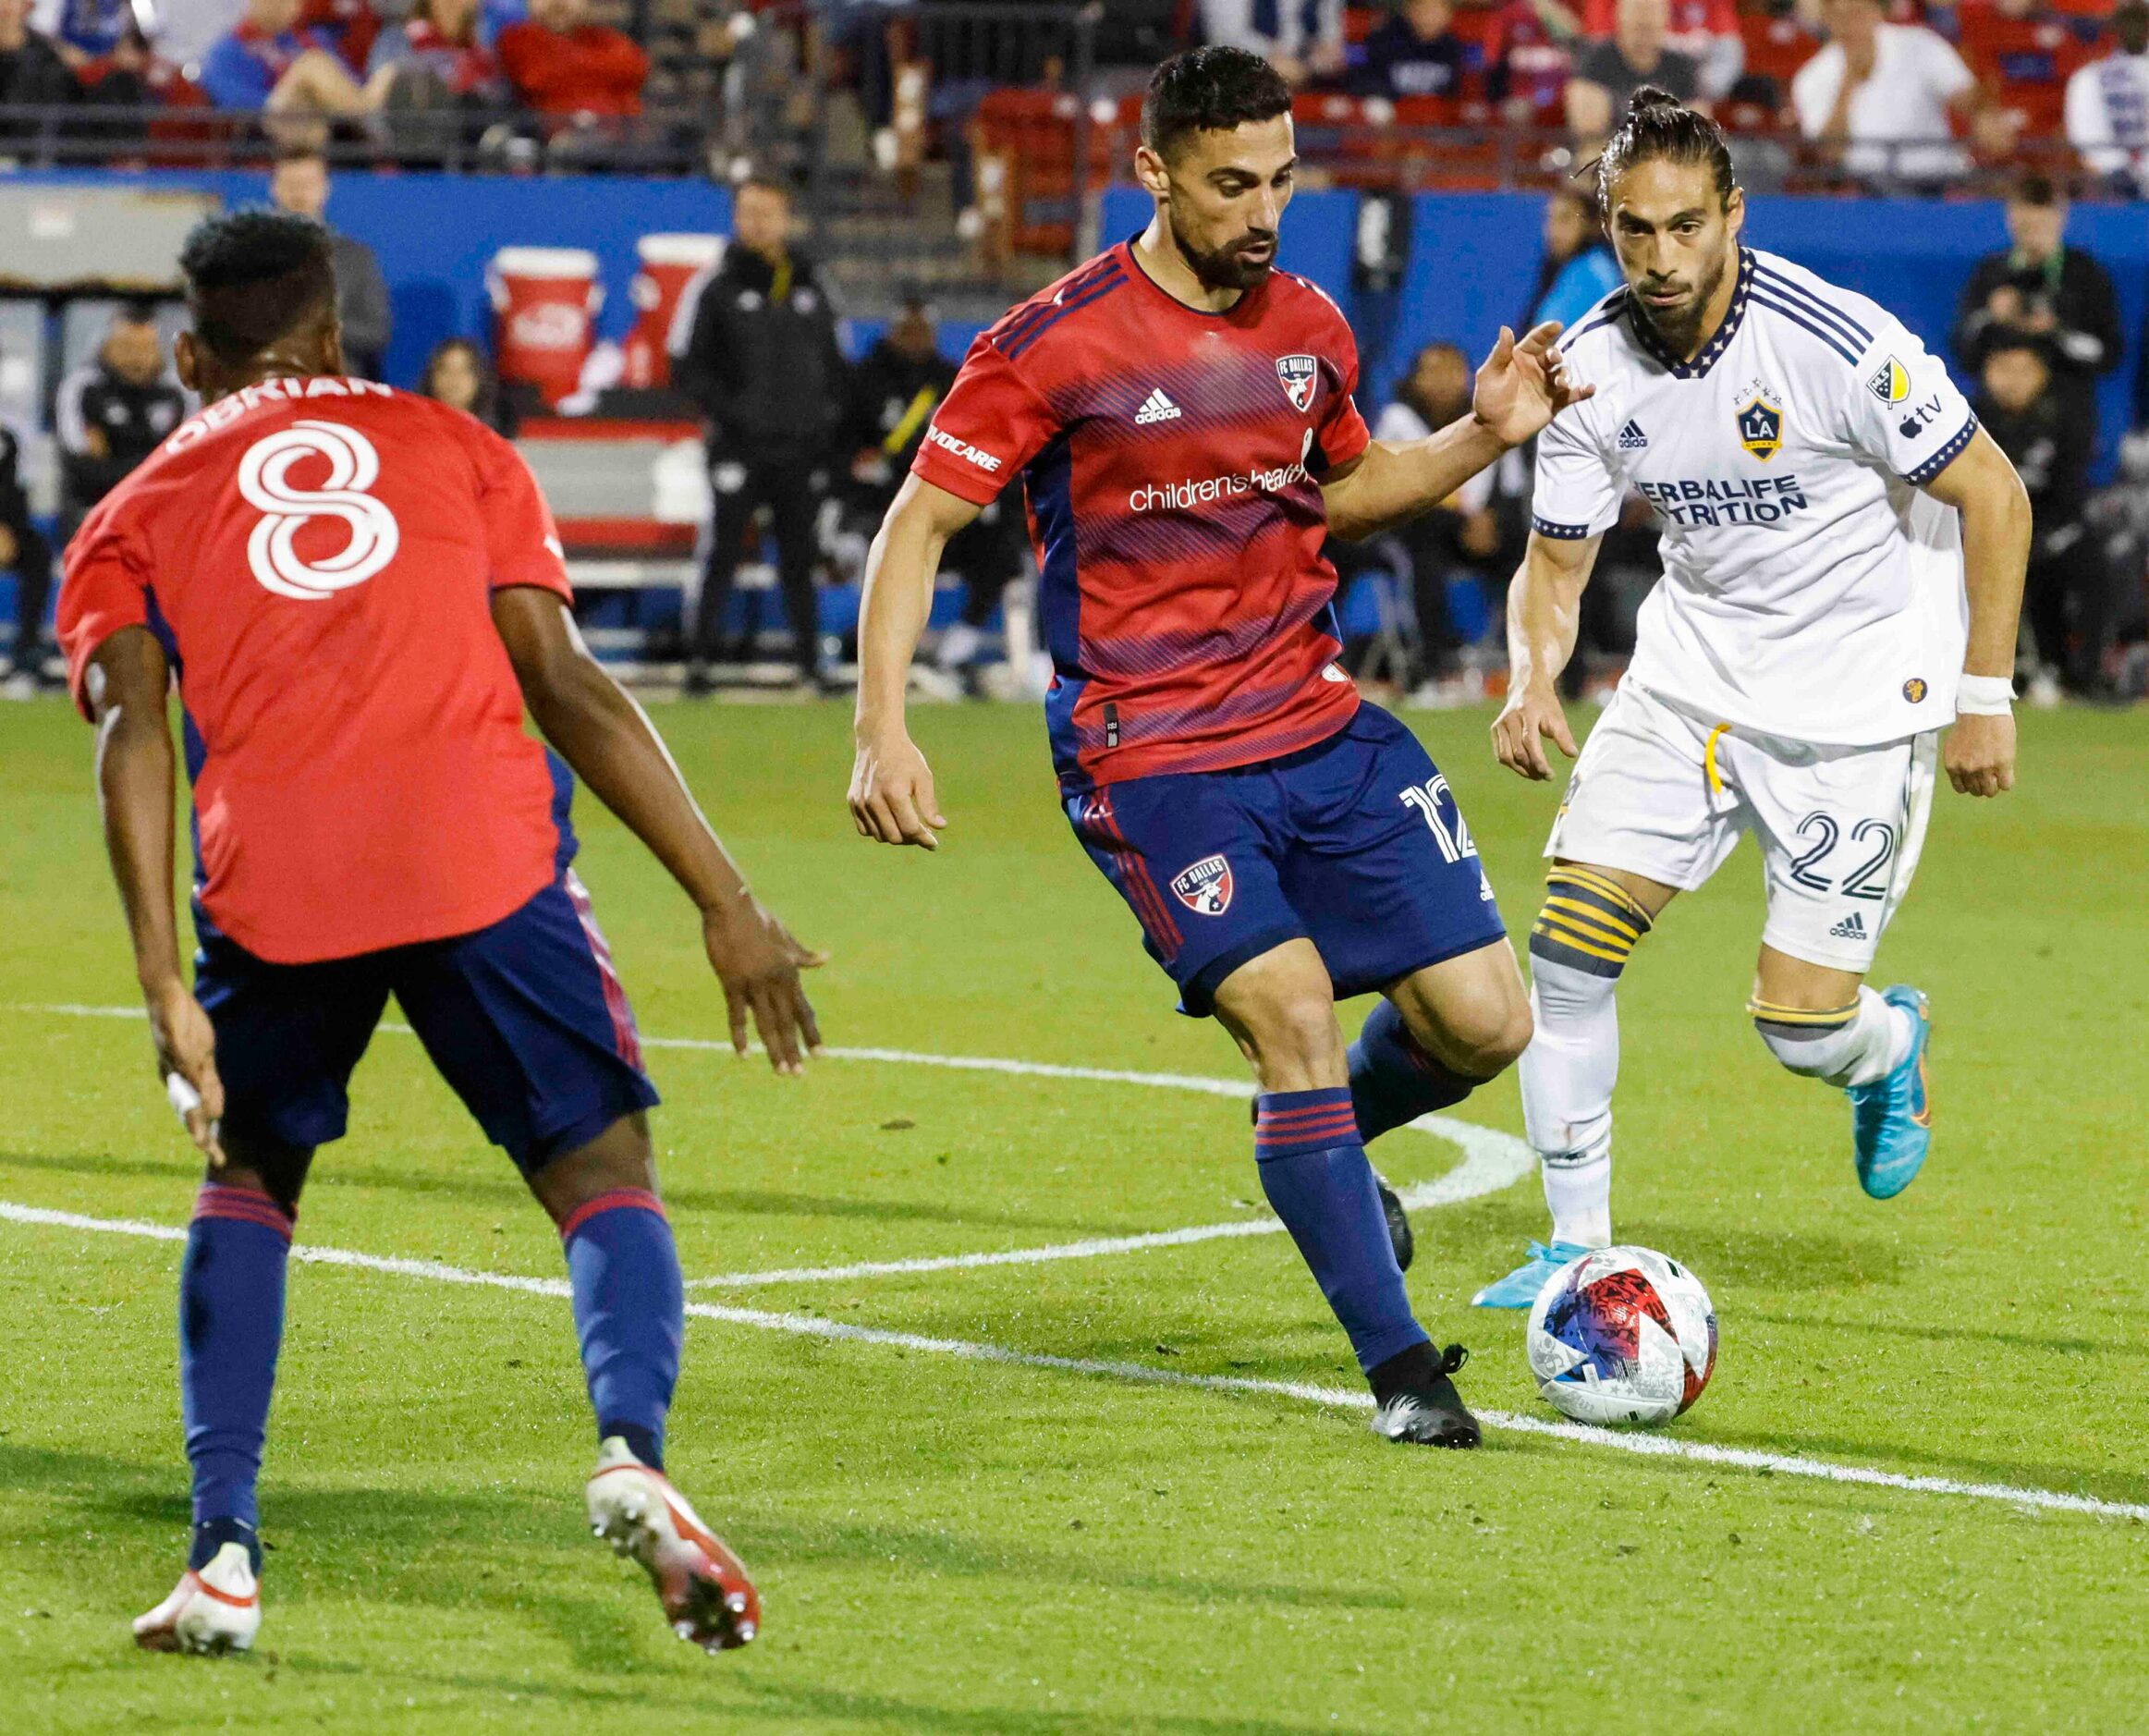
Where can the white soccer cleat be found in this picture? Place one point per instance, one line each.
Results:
(213, 1611)
(706, 1595)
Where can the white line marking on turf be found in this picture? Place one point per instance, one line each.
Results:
(803, 1326)
(1492, 1161)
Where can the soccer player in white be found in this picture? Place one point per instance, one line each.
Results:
(1843, 550)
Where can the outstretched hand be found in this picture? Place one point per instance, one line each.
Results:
(758, 960)
(1523, 385)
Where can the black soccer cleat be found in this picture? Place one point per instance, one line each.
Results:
(1419, 1403)
(1391, 1207)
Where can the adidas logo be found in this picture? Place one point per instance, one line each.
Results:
(1156, 407)
(1852, 928)
(1631, 438)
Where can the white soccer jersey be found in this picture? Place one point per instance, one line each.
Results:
(1810, 591)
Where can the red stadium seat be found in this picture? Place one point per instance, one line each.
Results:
(1777, 48)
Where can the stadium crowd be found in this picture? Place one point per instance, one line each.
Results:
(804, 446)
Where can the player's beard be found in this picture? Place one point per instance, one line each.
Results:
(1227, 267)
(1680, 329)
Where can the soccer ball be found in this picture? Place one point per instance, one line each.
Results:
(1622, 1335)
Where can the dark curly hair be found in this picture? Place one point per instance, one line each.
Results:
(1659, 125)
(253, 277)
(1209, 90)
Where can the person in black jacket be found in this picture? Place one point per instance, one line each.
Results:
(894, 393)
(2043, 288)
(2066, 592)
(111, 414)
(762, 362)
(32, 74)
(22, 548)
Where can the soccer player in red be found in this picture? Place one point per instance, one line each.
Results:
(358, 592)
(1181, 414)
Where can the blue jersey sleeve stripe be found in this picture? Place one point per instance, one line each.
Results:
(1562, 533)
(1074, 304)
(1022, 319)
(1939, 460)
(1801, 297)
(1800, 320)
(1603, 316)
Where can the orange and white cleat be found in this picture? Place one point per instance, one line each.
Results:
(706, 1595)
(212, 1611)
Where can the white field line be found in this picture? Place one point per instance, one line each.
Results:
(1492, 1161)
(803, 1326)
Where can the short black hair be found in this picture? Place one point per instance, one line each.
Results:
(136, 311)
(1659, 125)
(300, 154)
(253, 277)
(2035, 188)
(1209, 90)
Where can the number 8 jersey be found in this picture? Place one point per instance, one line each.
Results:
(318, 557)
(1810, 589)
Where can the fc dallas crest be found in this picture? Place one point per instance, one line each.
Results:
(1298, 375)
(1205, 889)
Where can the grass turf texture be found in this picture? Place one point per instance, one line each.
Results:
(950, 1546)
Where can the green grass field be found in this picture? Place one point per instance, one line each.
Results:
(952, 1544)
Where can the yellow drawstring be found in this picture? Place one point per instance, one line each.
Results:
(1709, 760)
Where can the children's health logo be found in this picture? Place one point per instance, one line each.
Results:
(1205, 889)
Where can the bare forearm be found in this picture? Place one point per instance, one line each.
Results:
(898, 600)
(1543, 619)
(1395, 483)
(135, 773)
(1996, 551)
(613, 748)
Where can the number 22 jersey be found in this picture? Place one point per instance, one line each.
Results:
(318, 557)
(1173, 461)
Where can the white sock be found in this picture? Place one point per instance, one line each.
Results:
(1867, 1046)
(1568, 1073)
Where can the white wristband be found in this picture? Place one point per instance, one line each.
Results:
(1983, 696)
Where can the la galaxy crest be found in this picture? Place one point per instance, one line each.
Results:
(1761, 422)
(1205, 889)
(1298, 375)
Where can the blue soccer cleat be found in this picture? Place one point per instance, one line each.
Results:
(1520, 1288)
(1892, 1119)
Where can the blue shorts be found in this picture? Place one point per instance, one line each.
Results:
(526, 1019)
(1355, 844)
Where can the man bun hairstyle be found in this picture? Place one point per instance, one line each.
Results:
(1209, 90)
(1659, 125)
(254, 277)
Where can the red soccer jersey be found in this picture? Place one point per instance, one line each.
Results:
(319, 558)
(1172, 459)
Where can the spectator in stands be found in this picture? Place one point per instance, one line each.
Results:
(299, 183)
(1578, 269)
(2042, 288)
(1881, 94)
(84, 30)
(32, 74)
(30, 557)
(437, 57)
(1527, 60)
(136, 74)
(1705, 31)
(1457, 537)
(1608, 74)
(110, 414)
(2065, 597)
(1415, 53)
(893, 395)
(560, 64)
(287, 56)
(1302, 39)
(763, 362)
(458, 374)
(2107, 105)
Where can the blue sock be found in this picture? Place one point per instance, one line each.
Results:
(1314, 1173)
(231, 1321)
(1393, 1081)
(630, 1313)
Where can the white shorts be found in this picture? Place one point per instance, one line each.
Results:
(1662, 793)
